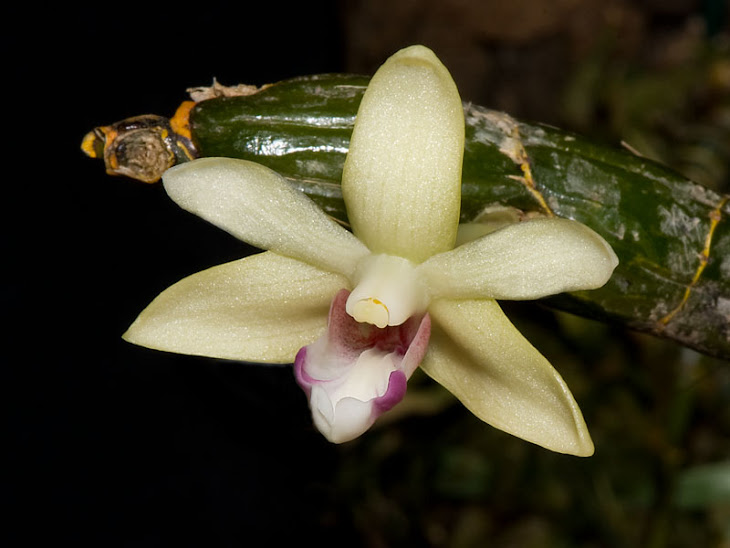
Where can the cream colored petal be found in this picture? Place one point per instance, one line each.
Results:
(258, 206)
(481, 358)
(263, 308)
(402, 176)
(523, 261)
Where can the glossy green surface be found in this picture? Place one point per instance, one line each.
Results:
(660, 224)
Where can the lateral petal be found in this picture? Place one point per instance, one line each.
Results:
(258, 206)
(402, 175)
(263, 308)
(480, 357)
(526, 260)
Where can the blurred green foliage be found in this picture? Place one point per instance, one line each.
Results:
(677, 113)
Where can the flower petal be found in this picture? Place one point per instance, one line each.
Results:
(481, 358)
(258, 206)
(356, 371)
(402, 175)
(263, 308)
(527, 260)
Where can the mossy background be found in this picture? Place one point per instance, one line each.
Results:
(114, 445)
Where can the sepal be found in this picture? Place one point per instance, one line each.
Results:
(480, 357)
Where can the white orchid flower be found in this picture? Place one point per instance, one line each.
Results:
(359, 311)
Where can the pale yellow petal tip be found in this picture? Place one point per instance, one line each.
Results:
(177, 179)
(569, 439)
(193, 165)
(597, 257)
(587, 449)
(610, 258)
(576, 443)
(583, 447)
(135, 335)
(416, 53)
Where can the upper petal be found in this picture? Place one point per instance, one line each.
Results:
(258, 206)
(481, 358)
(263, 308)
(402, 175)
(523, 261)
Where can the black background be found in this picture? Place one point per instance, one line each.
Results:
(113, 445)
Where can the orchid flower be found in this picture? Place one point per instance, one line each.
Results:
(357, 312)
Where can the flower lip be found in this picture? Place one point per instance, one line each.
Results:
(397, 385)
(358, 371)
